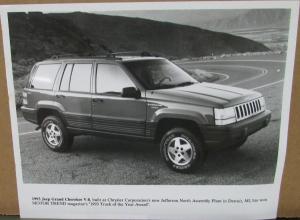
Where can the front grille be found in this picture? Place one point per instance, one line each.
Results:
(248, 109)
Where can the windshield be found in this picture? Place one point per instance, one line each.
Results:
(159, 74)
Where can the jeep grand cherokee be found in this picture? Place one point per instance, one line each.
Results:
(140, 97)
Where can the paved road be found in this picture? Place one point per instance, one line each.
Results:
(95, 160)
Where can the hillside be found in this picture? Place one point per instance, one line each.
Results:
(38, 36)
(250, 19)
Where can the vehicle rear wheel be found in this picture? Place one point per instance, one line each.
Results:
(55, 135)
(181, 150)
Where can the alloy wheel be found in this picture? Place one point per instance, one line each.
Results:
(53, 134)
(180, 151)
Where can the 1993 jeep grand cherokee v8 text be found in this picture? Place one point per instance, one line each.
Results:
(140, 97)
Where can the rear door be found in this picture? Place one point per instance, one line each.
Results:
(111, 112)
(74, 94)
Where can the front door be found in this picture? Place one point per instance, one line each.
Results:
(112, 113)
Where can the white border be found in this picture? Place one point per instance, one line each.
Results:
(270, 191)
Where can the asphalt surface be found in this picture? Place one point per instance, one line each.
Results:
(95, 160)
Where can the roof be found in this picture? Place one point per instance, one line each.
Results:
(106, 59)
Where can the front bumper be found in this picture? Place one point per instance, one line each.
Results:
(229, 135)
(30, 114)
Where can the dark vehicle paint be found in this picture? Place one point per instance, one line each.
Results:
(93, 113)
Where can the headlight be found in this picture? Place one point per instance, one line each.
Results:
(224, 116)
(262, 103)
(24, 101)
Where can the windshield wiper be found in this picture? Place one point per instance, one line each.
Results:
(185, 84)
(166, 86)
(169, 86)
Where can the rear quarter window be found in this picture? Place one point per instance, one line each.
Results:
(44, 76)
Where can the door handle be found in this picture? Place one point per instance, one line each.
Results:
(60, 96)
(97, 100)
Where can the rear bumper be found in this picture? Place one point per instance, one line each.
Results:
(30, 114)
(229, 135)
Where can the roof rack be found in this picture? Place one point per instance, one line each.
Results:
(58, 56)
(133, 53)
(112, 55)
(61, 56)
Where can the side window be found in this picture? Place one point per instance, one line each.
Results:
(65, 81)
(111, 79)
(44, 76)
(81, 78)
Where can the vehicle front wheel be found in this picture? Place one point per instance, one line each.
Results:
(55, 135)
(181, 150)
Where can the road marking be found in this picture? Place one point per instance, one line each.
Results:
(226, 76)
(264, 72)
(30, 132)
(271, 61)
(211, 61)
(269, 84)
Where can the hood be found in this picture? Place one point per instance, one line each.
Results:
(205, 94)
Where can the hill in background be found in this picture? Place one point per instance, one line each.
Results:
(38, 36)
(267, 26)
(250, 19)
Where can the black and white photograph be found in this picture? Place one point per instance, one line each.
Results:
(158, 96)
(198, 80)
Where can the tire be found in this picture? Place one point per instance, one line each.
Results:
(181, 150)
(238, 144)
(55, 135)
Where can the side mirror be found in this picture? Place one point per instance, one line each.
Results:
(131, 92)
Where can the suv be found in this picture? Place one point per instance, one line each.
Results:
(140, 97)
